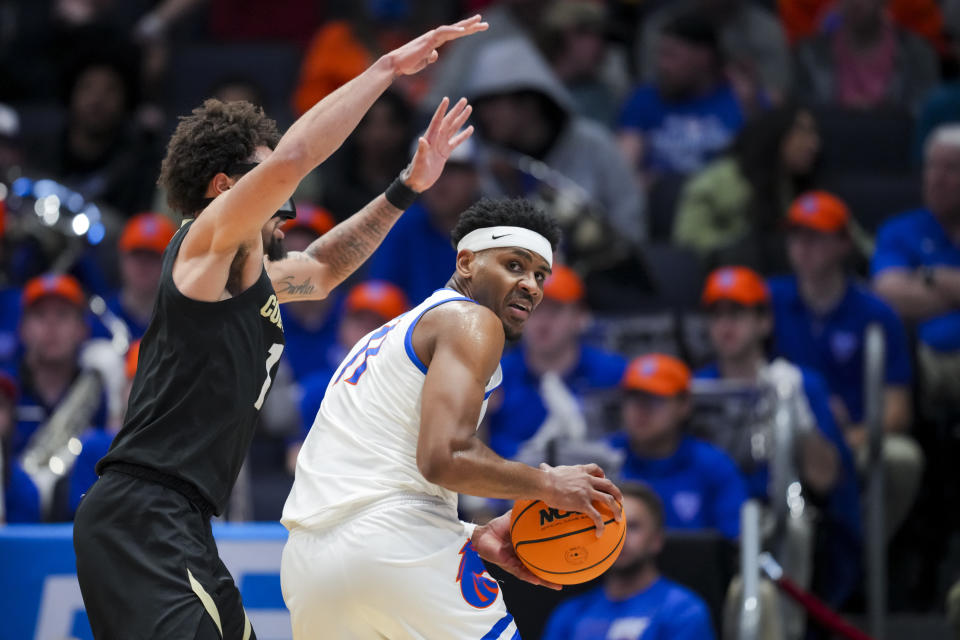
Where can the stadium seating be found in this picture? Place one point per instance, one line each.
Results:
(195, 69)
(873, 197)
(877, 140)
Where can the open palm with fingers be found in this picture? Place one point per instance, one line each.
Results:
(418, 53)
(437, 143)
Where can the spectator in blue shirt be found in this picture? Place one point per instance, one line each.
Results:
(9, 323)
(635, 602)
(309, 326)
(369, 305)
(740, 324)
(53, 330)
(699, 484)
(21, 500)
(916, 267)
(552, 343)
(417, 253)
(820, 321)
(690, 113)
(141, 246)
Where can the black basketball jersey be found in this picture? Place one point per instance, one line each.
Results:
(204, 371)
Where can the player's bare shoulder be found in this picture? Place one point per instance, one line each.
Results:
(463, 326)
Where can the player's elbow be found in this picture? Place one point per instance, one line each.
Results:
(435, 466)
(292, 161)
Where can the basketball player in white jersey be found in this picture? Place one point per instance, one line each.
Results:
(376, 549)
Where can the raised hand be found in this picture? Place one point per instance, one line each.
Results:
(418, 53)
(492, 543)
(579, 488)
(437, 143)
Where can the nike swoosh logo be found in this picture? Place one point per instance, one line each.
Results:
(492, 237)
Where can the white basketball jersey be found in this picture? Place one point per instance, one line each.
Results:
(362, 447)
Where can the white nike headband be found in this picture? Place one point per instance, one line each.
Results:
(501, 237)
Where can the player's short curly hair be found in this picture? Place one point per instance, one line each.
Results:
(214, 137)
(515, 212)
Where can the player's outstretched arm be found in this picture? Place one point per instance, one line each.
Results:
(237, 215)
(461, 344)
(328, 261)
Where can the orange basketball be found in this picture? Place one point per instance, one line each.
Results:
(562, 546)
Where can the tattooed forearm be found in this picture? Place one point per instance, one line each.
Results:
(345, 247)
(291, 288)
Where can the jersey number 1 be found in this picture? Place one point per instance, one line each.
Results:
(272, 356)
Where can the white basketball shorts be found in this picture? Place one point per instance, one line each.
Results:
(403, 570)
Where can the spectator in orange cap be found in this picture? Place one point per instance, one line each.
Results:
(821, 317)
(21, 500)
(309, 326)
(53, 329)
(141, 246)
(367, 306)
(740, 325)
(699, 484)
(552, 344)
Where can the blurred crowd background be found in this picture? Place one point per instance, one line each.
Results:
(744, 186)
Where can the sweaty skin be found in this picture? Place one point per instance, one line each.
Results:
(461, 344)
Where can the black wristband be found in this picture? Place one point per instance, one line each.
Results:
(400, 195)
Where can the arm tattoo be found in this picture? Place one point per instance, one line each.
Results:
(291, 288)
(345, 247)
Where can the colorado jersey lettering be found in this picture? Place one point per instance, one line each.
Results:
(362, 448)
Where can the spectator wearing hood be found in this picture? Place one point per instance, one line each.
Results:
(522, 108)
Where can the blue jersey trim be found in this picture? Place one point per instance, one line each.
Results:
(486, 394)
(408, 339)
(498, 628)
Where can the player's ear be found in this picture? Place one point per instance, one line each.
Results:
(466, 263)
(218, 184)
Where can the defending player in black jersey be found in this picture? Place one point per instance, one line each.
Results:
(146, 560)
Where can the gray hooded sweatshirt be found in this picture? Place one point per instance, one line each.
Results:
(584, 151)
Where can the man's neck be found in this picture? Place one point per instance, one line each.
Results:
(746, 367)
(866, 34)
(461, 286)
(823, 292)
(51, 380)
(951, 225)
(560, 361)
(138, 304)
(707, 85)
(657, 449)
(87, 145)
(623, 587)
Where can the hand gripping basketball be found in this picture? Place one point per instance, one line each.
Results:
(575, 533)
(563, 545)
(582, 488)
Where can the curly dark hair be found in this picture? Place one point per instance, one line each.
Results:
(515, 212)
(213, 138)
